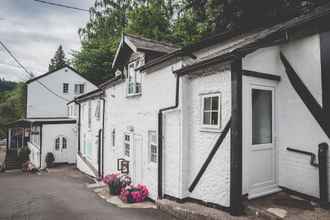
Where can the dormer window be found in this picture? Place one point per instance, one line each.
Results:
(134, 79)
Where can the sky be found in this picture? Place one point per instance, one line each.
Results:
(33, 32)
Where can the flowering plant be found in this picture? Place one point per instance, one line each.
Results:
(133, 194)
(116, 182)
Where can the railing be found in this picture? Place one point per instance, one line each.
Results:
(323, 170)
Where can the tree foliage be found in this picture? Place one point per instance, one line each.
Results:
(12, 106)
(178, 21)
(58, 61)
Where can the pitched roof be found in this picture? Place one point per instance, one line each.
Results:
(53, 71)
(138, 43)
(142, 43)
(232, 43)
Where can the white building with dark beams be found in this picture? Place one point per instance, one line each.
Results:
(47, 126)
(226, 119)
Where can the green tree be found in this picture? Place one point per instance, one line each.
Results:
(58, 61)
(12, 106)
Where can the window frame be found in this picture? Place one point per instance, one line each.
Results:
(129, 142)
(79, 88)
(211, 126)
(136, 75)
(65, 88)
(150, 144)
(57, 142)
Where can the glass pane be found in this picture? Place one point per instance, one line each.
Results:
(207, 103)
(215, 103)
(64, 143)
(207, 118)
(214, 120)
(261, 116)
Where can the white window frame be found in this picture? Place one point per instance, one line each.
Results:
(129, 142)
(210, 126)
(78, 88)
(132, 66)
(150, 144)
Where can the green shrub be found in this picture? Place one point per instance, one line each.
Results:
(50, 159)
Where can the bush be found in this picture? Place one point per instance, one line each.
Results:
(50, 159)
(116, 182)
(133, 194)
(24, 155)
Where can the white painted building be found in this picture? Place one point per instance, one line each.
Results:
(225, 117)
(48, 127)
(90, 136)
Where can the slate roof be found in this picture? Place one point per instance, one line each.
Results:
(143, 43)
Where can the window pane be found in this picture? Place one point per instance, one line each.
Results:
(214, 120)
(261, 116)
(207, 118)
(215, 103)
(64, 144)
(57, 144)
(82, 88)
(127, 149)
(207, 103)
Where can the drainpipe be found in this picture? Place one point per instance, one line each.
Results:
(323, 174)
(40, 158)
(103, 122)
(160, 138)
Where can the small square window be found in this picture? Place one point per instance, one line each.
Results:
(65, 87)
(211, 114)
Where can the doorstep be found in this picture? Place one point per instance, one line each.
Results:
(286, 206)
(193, 211)
(103, 192)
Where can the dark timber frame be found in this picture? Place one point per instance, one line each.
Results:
(236, 206)
(210, 157)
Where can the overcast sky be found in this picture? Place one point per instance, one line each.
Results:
(33, 31)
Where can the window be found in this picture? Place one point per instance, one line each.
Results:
(98, 110)
(89, 114)
(64, 143)
(57, 144)
(114, 137)
(65, 87)
(134, 79)
(79, 88)
(153, 147)
(262, 116)
(211, 111)
(127, 145)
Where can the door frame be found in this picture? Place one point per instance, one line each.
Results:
(249, 83)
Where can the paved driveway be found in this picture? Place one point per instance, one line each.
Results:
(59, 197)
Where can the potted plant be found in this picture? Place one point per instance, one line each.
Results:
(134, 194)
(50, 159)
(116, 182)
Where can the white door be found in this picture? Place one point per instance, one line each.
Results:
(137, 160)
(61, 150)
(260, 163)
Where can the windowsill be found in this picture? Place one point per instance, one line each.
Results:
(210, 130)
(133, 95)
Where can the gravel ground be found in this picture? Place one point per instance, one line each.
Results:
(52, 196)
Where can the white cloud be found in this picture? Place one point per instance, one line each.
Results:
(33, 32)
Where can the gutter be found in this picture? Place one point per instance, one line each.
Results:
(160, 137)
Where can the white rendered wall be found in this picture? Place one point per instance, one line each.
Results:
(297, 128)
(90, 134)
(214, 186)
(50, 132)
(137, 115)
(42, 103)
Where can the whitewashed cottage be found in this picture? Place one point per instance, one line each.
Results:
(226, 119)
(90, 132)
(47, 126)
